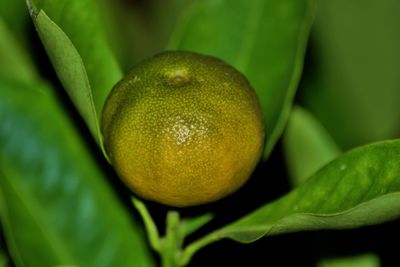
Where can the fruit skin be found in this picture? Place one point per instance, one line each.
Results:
(183, 129)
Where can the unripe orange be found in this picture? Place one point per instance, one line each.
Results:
(183, 129)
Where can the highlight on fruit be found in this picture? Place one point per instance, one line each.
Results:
(183, 129)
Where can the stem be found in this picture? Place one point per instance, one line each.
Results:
(170, 246)
(192, 248)
(172, 242)
(151, 228)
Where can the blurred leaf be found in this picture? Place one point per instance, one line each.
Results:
(15, 62)
(307, 146)
(16, 18)
(353, 86)
(3, 260)
(56, 206)
(264, 39)
(3, 254)
(367, 260)
(361, 187)
(140, 29)
(75, 40)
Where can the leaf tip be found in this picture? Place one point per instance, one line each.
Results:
(33, 10)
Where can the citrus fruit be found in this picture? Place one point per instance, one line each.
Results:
(183, 129)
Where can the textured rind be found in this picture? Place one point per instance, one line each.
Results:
(183, 129)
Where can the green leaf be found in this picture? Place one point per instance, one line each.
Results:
(150, 26)
(15, 62)
(75, 40)
(192, 224)
(361, 187)
(16, 19)
(3, 254)
(3, 260)
(353, 85)
(56, 207)
(366, 260)
(264, 39)
(307, 145)
(70, 69)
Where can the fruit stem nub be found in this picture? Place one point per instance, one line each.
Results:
(177, 77)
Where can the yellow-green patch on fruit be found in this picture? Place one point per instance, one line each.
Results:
(183, 129)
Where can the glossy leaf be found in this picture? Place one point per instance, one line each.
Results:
(353, 87)
(75, 40)
(361, 187)
(307, 145)
(264, 39)
(56, 207)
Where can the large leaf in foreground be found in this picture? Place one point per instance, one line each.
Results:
(55, 205)
(75, 40)
(264, 39)
(362, 187)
